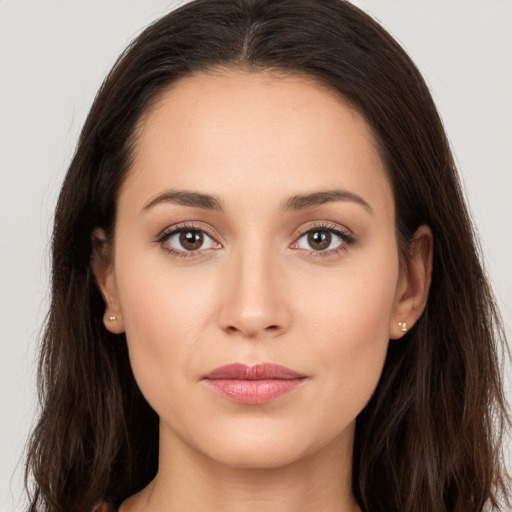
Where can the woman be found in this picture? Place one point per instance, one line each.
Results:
(266, 291)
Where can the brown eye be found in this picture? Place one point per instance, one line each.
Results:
(324, 240)
(319, 240)
(186, 240)
(191, 240)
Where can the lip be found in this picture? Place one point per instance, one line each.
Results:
(253, 384)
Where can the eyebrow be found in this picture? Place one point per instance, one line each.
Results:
(186, 198)
(304, 201)
(294, 203)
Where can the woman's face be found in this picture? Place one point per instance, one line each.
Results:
(255, 227)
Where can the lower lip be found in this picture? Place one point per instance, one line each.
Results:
(253, 392)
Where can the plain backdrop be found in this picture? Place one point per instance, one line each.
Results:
(53, 57)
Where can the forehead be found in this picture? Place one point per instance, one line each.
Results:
(260, 133)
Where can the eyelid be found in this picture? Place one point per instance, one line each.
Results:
(184, 226)
(342, 232)
(325, 225)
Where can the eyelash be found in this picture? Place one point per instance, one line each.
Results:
(347, 238)
(179, 228)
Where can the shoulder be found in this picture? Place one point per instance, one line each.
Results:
(103, 507)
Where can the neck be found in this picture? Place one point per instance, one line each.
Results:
(188, 481)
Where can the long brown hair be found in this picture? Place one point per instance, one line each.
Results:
(429, 440)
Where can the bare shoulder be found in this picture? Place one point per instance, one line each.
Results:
(103, 507)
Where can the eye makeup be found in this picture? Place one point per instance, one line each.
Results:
(190, 230)
(322, 233)
(330, 240)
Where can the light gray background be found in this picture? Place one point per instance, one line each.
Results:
(53, 57)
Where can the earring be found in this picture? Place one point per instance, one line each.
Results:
(112, 318)
(403, 326)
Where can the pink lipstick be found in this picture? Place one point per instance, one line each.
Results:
(253, 384)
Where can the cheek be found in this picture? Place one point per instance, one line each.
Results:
(164, 313)
(349, 316)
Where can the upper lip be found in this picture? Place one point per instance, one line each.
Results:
(258, 371)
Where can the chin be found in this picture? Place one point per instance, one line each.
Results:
(249, 448)
(259, 455)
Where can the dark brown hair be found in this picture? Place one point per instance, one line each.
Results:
(429, 440)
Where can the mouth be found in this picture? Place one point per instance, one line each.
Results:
(253, 384)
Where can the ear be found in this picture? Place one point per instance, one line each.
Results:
(102, 266)
(414, 283)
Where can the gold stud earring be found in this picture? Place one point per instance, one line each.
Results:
(403, 326)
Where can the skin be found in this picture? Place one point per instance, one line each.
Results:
(257, 290)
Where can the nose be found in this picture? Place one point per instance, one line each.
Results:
(254, 299)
